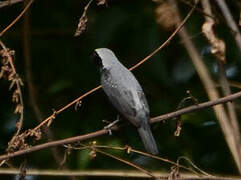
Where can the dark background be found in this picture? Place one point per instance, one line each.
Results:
(62, 70)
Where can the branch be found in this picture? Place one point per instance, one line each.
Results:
(150, 174)
(9, 3)
(212, 92)
(107, 173)
(179, 27)
(218, 49)
(17, 18)
(230, 22)
(197, 107)
(128, 150)
(104, 131)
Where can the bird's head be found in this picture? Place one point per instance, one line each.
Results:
(105, 58)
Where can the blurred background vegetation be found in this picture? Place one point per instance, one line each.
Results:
(62, 70)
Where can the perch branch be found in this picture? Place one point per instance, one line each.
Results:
(103, 131)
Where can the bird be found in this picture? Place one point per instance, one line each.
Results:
(126, 95)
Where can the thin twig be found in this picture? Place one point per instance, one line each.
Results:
(197, 107)
(179, 27)
(67, 106)
(198, 9)
(17, 18)
(230, 22)
(127, 162)
(104, 131)
(129, 149)
(7, 3)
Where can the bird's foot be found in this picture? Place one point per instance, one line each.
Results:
(111, 124)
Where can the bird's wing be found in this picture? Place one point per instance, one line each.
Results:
(121, 97)
(143, 100)
(123, 102)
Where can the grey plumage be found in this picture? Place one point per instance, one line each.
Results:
(126, 94)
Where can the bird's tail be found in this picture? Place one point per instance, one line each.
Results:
(148, 139)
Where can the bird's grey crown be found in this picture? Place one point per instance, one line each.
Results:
(107, 57)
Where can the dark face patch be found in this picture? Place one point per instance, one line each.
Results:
(96, 58)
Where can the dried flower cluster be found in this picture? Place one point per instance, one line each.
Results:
(83, 19)
(18, 142)
(218, 47)
(8, 73)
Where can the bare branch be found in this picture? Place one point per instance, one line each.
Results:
(211, 90)
(104, 131)
(108, 173)
(230, 22)
(127, 162)
(219, 51)
(17, 18)
(9, 3)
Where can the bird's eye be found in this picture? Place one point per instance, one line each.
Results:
(97, 59)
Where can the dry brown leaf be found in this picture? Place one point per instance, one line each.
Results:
(81, 26)
(218, 47)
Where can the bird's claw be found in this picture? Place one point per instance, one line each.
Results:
(110, 125)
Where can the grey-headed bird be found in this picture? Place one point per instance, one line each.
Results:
(126, 94)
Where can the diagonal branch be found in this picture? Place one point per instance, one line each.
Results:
(9, 3)
(102, 132)
(230, 22)
(17, 18)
